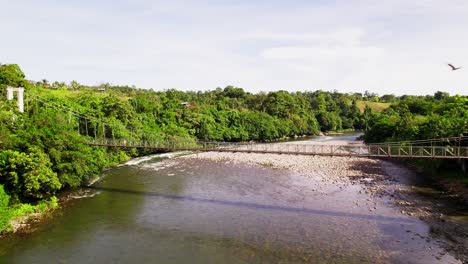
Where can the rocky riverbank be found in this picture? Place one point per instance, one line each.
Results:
(26, 216)
(325, 168)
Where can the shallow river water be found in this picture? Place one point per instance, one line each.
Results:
(193, 211)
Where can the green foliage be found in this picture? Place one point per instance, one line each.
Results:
(375, 106)
(417, 118)
(45, 205)
(5, 213)
(329, 121)
(27, 175)
(388, 98)
(280, 104)
(17, 211)
(11, 75)
(44, 150)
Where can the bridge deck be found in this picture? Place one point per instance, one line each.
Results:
(397, 151)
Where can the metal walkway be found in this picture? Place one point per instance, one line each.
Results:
(352, 150)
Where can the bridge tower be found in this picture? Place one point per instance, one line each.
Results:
(20, 94)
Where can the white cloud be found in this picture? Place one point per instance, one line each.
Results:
(317, 55)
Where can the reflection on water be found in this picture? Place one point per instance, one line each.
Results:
(188, 211)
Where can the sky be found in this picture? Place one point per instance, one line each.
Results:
(386, 47)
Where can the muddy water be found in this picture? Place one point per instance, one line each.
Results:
(193, 211)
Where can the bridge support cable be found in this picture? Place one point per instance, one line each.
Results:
(434, 141)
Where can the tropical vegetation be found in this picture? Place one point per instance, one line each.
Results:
(44, 149)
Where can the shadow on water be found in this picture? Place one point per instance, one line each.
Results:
(260, 206)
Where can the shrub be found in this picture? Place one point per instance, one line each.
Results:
(5, 213)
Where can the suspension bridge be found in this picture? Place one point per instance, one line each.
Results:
(355, 150)
(105, 134)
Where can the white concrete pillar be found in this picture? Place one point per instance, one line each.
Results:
(9, 93)
(20, 95)
(20, 92)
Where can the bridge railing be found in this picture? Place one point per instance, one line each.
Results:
(293, 148)
(302, 148)
(418, 151)
(162, 144)
(130, 143)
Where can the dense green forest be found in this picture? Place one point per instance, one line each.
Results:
(420, 117)
(44, 149)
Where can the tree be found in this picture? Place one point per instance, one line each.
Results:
(388, 98)
(368, 96)
(441, 95)
(318, 102)
(280, 104)
(329, 121)
(367, 117)
(5, 213)
(74, 85)
(11, 75)
(28, 175)
(233, 92)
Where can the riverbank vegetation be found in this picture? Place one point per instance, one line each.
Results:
(12, 215)
(422, 118)
(44, 150)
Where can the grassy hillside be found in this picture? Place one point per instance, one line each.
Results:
(373, 105)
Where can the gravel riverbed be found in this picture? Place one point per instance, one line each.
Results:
(382, 179)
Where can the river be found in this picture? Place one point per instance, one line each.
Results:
(210, 211)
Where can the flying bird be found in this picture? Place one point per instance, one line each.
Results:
(453, 67)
